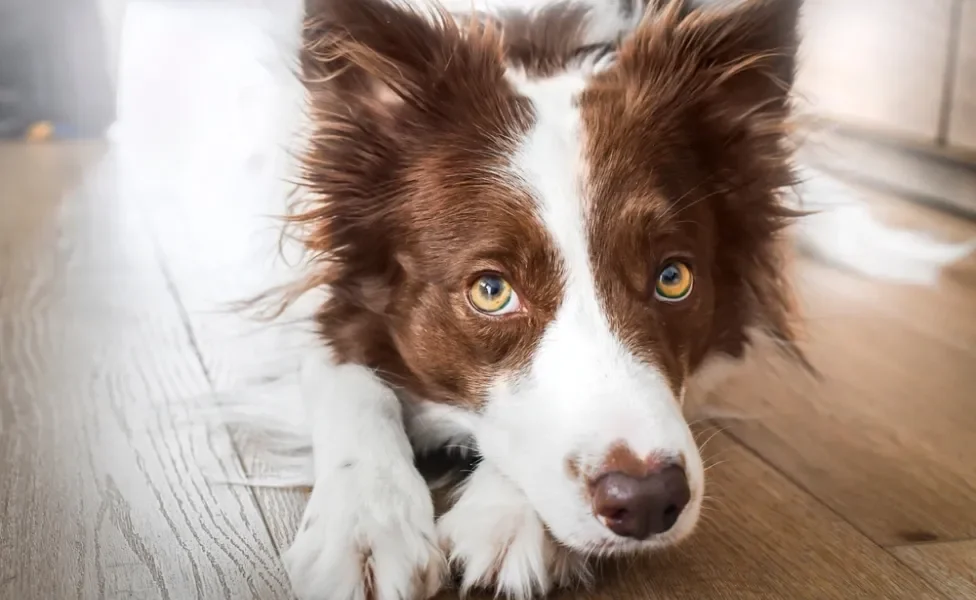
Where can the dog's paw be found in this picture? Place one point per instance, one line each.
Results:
(367, 543)
(496, 541)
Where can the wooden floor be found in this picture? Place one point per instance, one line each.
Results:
(861, 485)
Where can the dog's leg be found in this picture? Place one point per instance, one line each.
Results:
(368, 530)
(496, 539)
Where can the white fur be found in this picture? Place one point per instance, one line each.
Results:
(843, 232)
(495, 534)
(584, 389)
(370, 520)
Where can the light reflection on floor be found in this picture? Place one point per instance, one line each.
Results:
(207, 105)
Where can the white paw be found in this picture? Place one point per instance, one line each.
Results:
(497, 541)
(367, 542)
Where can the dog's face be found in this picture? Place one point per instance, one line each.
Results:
(551, 238)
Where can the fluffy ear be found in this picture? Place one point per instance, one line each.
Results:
(373, 69)
(371, 53)
(740, 55)
(378, 54)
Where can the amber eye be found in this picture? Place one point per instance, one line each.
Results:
(492, 295)
(674, 281)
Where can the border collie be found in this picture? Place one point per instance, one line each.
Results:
(535, 223)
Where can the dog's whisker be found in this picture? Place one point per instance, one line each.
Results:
(713, 465)
(704, 445)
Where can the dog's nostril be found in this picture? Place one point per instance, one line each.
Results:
(618, 515)
(671, 514)
(640, 507)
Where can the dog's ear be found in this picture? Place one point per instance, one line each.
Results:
(737, 55)
(368, 54)
(376, 55)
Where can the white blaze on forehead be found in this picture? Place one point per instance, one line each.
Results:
(550, 162)
(602, 379)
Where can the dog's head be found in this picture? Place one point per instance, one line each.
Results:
(552, 236)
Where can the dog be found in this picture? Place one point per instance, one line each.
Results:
(531, 226)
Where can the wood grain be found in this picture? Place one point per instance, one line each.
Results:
(950, 568)
(877, 63)
(113, 387)
(212, 204)
(892, 417)
(103, 482)
(761, 537)
(962, 125)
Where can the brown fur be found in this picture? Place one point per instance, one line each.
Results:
(413, 118)
(547, 42)
(688, 141)
(408, 208)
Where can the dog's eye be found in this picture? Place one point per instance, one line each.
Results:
(674, 281)
(492, 295)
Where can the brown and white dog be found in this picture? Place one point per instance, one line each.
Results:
(535, 222)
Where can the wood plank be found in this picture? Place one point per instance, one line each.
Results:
(906, 212)
(209, 169)
(877, 63)
(892, 417)
(950, 568)
(102, 478)
(761, 537)
(962, 125)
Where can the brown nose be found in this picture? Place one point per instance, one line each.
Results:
(641, 507)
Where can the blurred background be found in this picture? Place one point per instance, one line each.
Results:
(143, 155)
